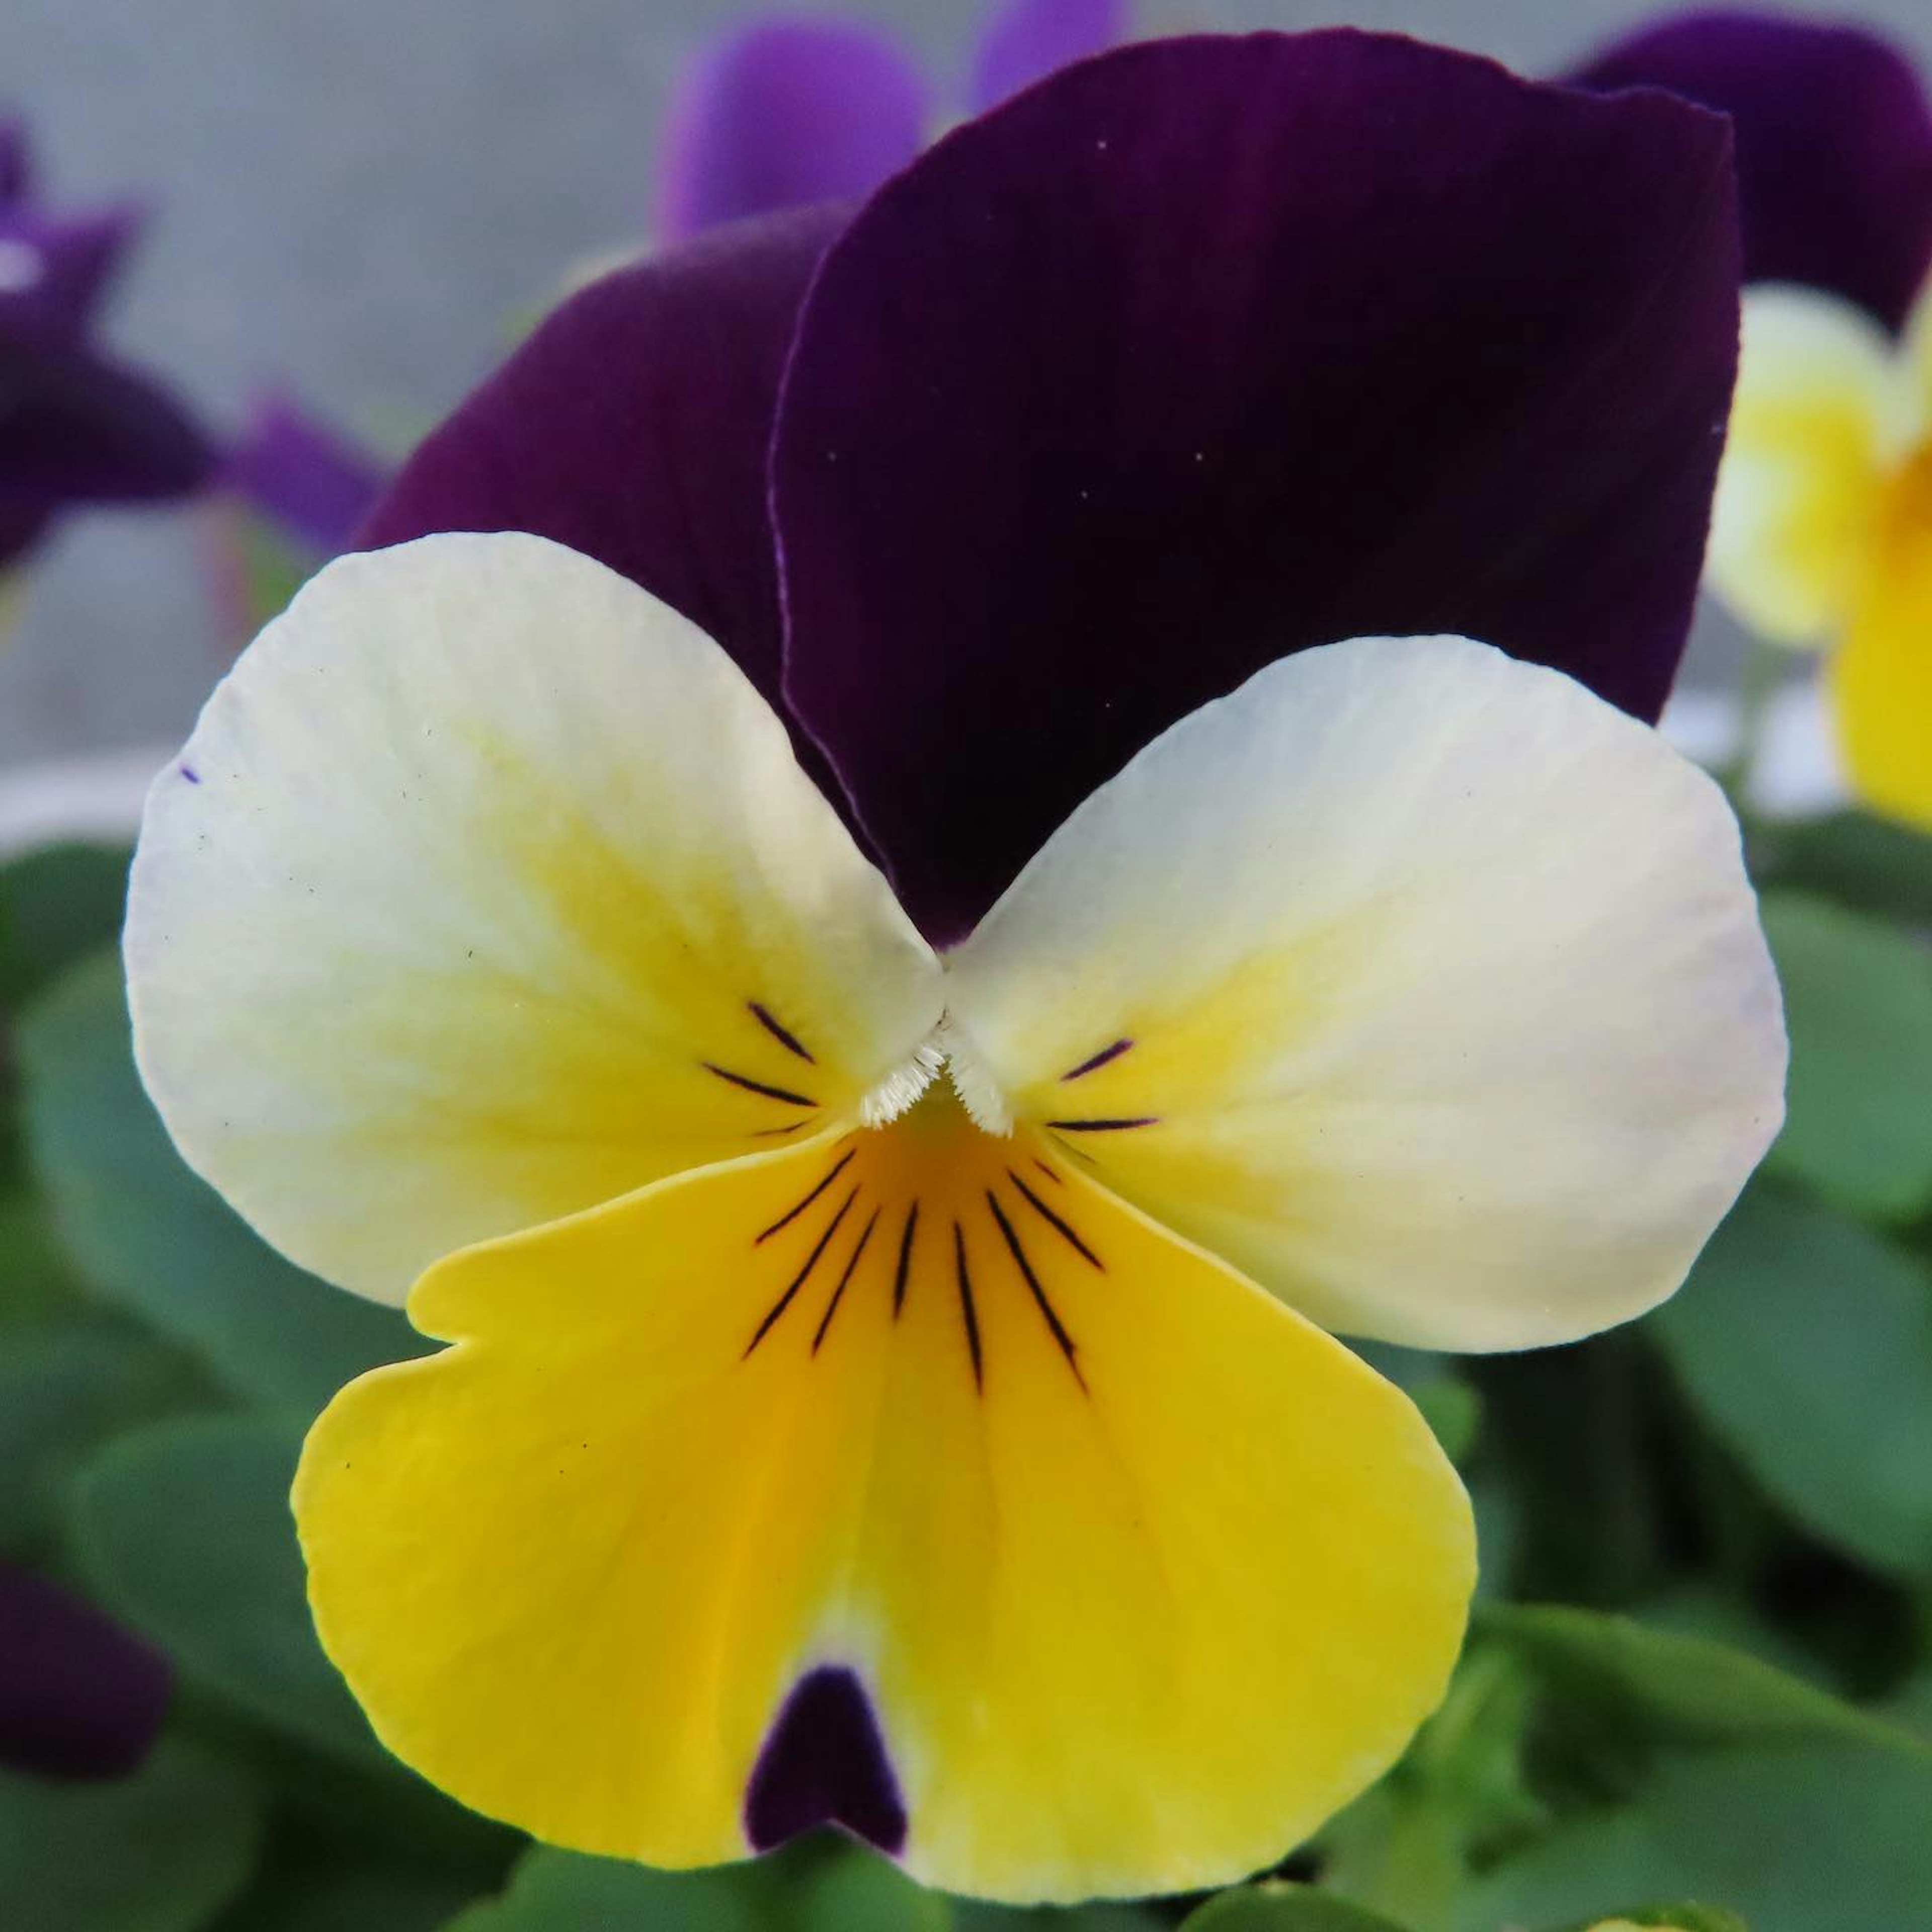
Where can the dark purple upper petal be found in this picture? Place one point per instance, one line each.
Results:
(1209, 349)
(80, 1696)
(787, 114)
(1834, 144)
(305, 475)
(633, 426)
(1027, 40)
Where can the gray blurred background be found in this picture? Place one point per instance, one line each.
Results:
(356, 198)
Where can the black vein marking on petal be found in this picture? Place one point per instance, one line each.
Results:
(1093, 1062)
(798, 1280)
(1111, 1126)
(902, 1273)
(776, 1133)
(752, 1086)
(1048, 1172)
(1060, 1226)
(844, 1276)
(1079, 1152)
(788, 1040)
(966, 1308)
(1055, 1326)
(791, 1214)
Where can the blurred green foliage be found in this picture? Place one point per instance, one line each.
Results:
(1700, 1683)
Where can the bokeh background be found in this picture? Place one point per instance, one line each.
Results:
(358, 200)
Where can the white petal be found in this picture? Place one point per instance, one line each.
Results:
(1448, 1015)
(488, 888)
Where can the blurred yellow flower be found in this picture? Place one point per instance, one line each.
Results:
(1823, 531)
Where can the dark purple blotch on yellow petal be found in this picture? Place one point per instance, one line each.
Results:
(824, 1762)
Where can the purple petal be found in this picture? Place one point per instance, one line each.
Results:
(54, 273)
(80, 1696)
(304, 476)
(633, 426)
(825, 1763)
(1834, 144)
(787, 114)
(1027, 40)
(1209, 349)
(76, 428)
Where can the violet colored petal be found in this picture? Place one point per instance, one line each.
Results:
(1209, 349)
(304, 475)
(787, 113)
(825, 1763)
(55, 272)
(1027, 40)
(76, 428)
(633, 426)
(79, 1695)
(1833, 139)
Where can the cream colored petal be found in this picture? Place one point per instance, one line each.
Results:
(1821, 413)
(1416, 982)
(488, 888)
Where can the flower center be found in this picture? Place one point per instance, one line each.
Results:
(929, 1204)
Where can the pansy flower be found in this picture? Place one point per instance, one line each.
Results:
(790, 110)
(893, 954)
(1823, 530)
(76, 426)
(80, 1696)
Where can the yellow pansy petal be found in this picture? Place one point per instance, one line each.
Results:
(488, 888)
(1819, 415)
(1415, 981)
(906, 1479)
(1881, 681)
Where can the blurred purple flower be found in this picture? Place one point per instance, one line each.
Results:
(76, 425)
(790, 111)
(307, 478)
(79, 1695)
(1200, 352)
(1834, 140)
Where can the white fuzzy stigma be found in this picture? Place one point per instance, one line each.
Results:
(979, 1092)
(904, 1085)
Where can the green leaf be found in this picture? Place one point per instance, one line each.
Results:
(1858, 998)
(63, 1391)
(821, 1884)
(1620, 1677)
(37, 1284)
(162, 1851)
(1805, 1343)
(149, 1235)
(1670, 1918)
(338, 1889)
(1798, 1838)
(57, 904)
(972, 1915)
(1869, 864)
(1284, 1908)
(184, 1530)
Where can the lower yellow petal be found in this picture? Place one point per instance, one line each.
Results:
(908, 1479)
(1881, 681)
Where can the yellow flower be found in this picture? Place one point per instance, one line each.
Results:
(961, 1460)
(1823, 530)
